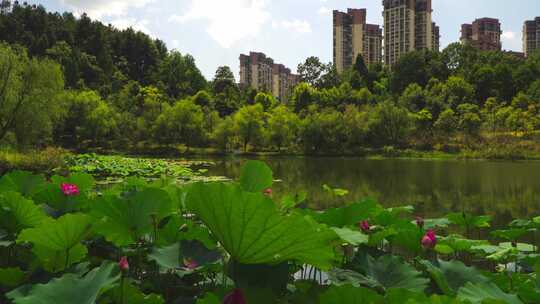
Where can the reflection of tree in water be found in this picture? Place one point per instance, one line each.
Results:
(505, 190)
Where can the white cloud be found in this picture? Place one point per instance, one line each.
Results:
(138, 25)
(324, 10)
(508, 35)
(299, 26)
(100, 8)
(228, 21)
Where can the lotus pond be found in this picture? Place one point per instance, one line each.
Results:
(64, 240)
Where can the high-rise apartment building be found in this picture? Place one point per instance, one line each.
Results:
(261, 73)
(436, 37)
(408, 26)
(484, 34)
(531, 36)
(353, 36)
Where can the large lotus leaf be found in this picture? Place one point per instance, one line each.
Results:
(17, 212)
(69, 289)
(23, 182)
(131, 295)
(253, 231)
(124, 221)
(391, 272)
(350, 295)
(346, 216)
(351, 236)
(460, 244)
(450, 276)
(172, 256)
(341, 277)
(436, 223)
(483, 292)
(510, 234)
(466, 220)
(11, 277)
(209, 298)
(408, 236)
(256, 176)
(403, 296)
(57, 243)
(177, 229)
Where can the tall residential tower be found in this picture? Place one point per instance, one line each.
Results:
(408, 26)
(261, 73)
(484, 34)
(353, 36)
(531, 36)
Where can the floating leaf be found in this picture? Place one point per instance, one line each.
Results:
(252, 230)
(256, 176)
(69, 289)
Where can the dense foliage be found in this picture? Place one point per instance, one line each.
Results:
(61, 241)
(87, 85)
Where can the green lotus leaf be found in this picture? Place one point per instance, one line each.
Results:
(340, 277)
(460, 244)
(17, 212)
(351, 236)
(348, 294)
(390, 272)
(131, 295)
(253, 231)
(452, 275)
(256, 176)
(167, 257)
(408, 236)
(466, 220)
(209, 298)
(523, 247)
(171, 257)
(510, 234)
(349, 215)
(404, 296)
(70, 288)
(290, 201)
(436, 223)
(25, 183)
(124, 221)
(483, 292)
(335, 191)
(57, 242)
(11, 277)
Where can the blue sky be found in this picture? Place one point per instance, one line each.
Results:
(215, 32)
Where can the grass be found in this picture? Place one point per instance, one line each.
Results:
(42, 161)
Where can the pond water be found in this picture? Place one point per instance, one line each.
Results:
(505, 190)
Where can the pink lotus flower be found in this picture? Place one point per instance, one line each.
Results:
(123, 264)
(364, 226)
(69, 189)
(235, 297)
(268, 192)
(419, 222)
(429, 240)
(190, 263)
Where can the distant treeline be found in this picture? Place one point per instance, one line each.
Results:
(75, 82)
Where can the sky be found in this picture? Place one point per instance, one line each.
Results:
(216, 32)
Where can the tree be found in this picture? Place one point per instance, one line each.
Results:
(469, 119)
(413, 98)
(266, 100)
(411, 68)
(249, 124)
(203, 100)
(317, 74)
(223, 80)
(181, 76)
(303, 96)
(282, 126)
(323, 131)
(181, 123)
(28, 95)
(390, 124)
(447, 122)
(223, 134)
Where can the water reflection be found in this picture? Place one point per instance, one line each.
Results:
(505, 190)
